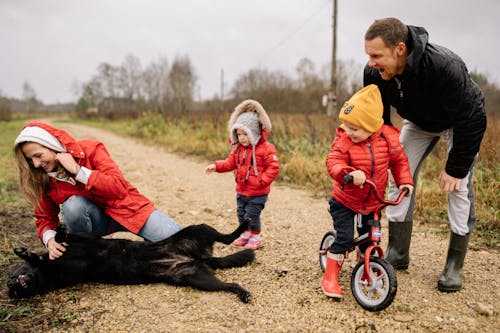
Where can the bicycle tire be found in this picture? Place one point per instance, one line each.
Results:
(326, 243)
(384, 286)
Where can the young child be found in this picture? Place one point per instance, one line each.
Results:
(254, 163)
(364, 148)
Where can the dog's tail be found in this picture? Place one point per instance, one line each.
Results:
(237, 259)
(229, 238)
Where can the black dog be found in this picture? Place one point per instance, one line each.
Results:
(184, 259)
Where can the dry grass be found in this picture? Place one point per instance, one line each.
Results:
(303, 141)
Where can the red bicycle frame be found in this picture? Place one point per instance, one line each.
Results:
(374, 235)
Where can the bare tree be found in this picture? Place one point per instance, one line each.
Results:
(129, 77)
(182, 81)
(349, 79)
(5, 109)
(274, 89)
(155, 84)
(306, 73)
(29, 98)
(106, 80)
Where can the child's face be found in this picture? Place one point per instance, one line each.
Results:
(242, 137)
(357, 134)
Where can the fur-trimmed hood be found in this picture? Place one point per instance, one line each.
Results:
(250, 105)
(250, 117)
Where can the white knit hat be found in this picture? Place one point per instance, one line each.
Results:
(250, 123)
(41, 136)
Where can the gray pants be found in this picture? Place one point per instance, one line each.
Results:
(418, 144)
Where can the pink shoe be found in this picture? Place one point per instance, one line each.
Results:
(253, 243)
(243, 239)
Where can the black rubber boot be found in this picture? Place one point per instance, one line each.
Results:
(398, 249)
(450, 279)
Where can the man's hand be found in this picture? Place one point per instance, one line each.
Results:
(55, 249)
(448, 183)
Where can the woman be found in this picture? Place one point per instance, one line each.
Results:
(80, 179)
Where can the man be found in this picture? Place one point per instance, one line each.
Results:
(431, 89)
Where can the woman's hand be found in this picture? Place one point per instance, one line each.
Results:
(55, 249)
(68, 162)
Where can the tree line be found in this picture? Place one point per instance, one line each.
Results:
(163, 88)
(129, 89)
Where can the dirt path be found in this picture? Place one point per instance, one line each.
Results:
(285, 279)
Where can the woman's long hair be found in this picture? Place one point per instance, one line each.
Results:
(33, 182)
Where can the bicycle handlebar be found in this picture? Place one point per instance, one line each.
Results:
(349, 179)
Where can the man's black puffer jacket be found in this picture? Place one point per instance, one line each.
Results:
(436, 93)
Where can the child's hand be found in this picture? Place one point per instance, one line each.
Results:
(359, 178)
(209, 169)
(409, 187)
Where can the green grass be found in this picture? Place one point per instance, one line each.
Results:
(10, 199)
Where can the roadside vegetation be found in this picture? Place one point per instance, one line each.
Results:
(302, 142)
(115, 99)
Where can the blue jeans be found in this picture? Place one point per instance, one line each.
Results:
(251, 207)
(81, 215)
(343, 223)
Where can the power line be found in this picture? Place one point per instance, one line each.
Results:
(302, 25)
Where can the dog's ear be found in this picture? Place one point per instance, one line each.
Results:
(29, 257)
(62, 233)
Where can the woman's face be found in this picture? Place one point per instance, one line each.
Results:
(40, 156)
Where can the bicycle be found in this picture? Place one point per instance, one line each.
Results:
(373, 279)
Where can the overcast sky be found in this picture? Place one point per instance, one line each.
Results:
(53, 43)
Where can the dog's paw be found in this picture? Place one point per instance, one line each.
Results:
(61, 233)
(21, 252)
(245, 296)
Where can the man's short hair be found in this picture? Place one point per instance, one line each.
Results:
(391, 30)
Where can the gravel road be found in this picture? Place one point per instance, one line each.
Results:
(285, 278)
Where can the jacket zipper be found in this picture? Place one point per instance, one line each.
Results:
(401, 94)
(241, 162)
(371, 173)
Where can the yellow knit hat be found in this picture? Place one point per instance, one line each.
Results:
(364, 109)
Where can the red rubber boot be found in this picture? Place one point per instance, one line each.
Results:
(330, 283)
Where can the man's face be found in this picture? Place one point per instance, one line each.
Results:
(388, 61)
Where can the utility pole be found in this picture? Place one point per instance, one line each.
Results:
(331, 108)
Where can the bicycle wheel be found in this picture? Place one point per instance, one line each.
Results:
(381, 292)
(326, 243)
